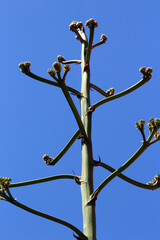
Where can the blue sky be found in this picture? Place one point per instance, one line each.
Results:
(35, 118)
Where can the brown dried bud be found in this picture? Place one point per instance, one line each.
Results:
(104, 38)
(73, 26)
(60, 58)
(110, 91)
(91, 23)
(142, 70)
(79, 25)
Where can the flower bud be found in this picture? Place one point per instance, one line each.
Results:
(25, 67)
(51, 72)
(60, 58)
(73, 26)
(91, 23)
(57, 66)
(104, 38)
(137, 125)
(142, 70)
(79, 25)
(66, 68)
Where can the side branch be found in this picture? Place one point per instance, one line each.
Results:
(44, 80)
(53, 161)
(73, 107)
(127, 179)
(42, 180)
(121, 94)
(44, 215)
(122, 168)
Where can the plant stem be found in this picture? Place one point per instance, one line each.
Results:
(66, 148)
(41, 180)
(127, 179)
(44, 80)
(73, 107)
(44, 215)
(122, 168)
(89, 218)
(121, 94)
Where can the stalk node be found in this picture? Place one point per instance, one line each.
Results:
(91, 109)
(97, 163)
(93, 198)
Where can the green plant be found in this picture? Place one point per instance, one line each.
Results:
(84, 121)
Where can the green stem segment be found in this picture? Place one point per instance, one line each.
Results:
(44, 80)
(121, 94)
(89, 218)
(122, 168)
(72, 106)
(127, 179)
(65, 149)
(42, 180)
(44, 215)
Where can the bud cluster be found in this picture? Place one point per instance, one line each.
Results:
(91, 23)
(110, 92)
(25, 67)
(104, 38)
(57, 66)
(154, 123)
(146, 73)
(66, 68)
(60, 59)
(4, 183)
(74, 26)
(47, 159)
(140, 125)
(155, 181)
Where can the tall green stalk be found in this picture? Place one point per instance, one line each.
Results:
(89, 218)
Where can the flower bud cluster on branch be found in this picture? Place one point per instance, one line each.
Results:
(146, 73)
(25, 67)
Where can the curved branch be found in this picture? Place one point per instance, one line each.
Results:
(65, 149)
(143, 147)
(44, 215)
(73, 107)
(42, 180)
(121, 94)
(98, 89)
(127, 179)
(44, 80)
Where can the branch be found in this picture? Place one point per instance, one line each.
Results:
(44, 215)
(127, 179)
(109, 92)
(42, 180)
(122, 168)
(121, 94)
(44, 80)
(57, 67)
(92, 24)
(53, 161)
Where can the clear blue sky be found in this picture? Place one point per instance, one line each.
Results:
(35, 118)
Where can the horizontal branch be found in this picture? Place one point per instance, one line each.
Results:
(44, 80)
(121, 94)
(44, 215)
(127, 179)
(42, 180)
(65, 149)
